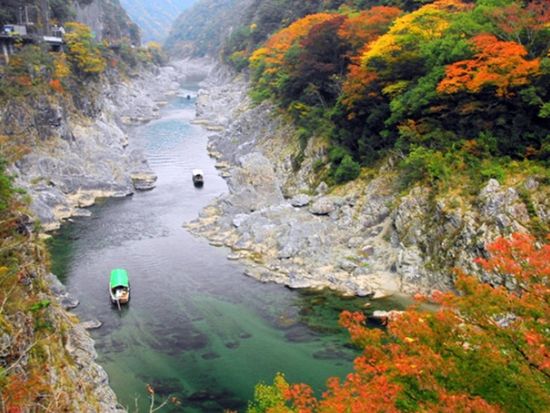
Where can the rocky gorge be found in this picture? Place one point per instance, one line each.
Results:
(368, 237)
(83, 155)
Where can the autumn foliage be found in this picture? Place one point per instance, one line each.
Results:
(499, 64)
(485, 349)
(84, 52)
(465, 71)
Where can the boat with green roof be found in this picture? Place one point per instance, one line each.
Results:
(119, 286)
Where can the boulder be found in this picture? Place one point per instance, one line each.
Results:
(144, 180)
(300, 200)
(322, 206)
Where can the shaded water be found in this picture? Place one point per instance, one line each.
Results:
(196, 327)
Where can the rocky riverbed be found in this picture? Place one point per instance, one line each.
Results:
(364, 238)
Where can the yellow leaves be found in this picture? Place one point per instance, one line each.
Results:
(83, 51)
(153, 45)
(258, 54)
(385, 45)
(61, 68)
(427, 23)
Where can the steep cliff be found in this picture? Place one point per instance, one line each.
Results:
(366, 237)
(108, 20)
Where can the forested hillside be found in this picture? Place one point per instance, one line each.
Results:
(453, 86)
(201, 30)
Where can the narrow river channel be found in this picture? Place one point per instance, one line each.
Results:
(196, 327)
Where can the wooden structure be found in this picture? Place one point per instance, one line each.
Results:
(27, 32)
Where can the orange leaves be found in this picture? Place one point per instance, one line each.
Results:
(366, 26)
(24, 81)
(519, 257)
(20, 393)
(56, 85)
(359, 394)
(301, 396)
(280, 43)
(499, 64)
(462, 357)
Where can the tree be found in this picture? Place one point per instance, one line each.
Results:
(499, 64)
(364, 27)
(485, 349)
(84, 53)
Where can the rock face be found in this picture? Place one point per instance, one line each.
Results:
(364, 238)
(107, 19)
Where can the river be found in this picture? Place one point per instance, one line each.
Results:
(196, 327)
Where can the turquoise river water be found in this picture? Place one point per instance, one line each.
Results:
(196, 327)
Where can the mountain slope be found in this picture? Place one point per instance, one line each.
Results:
(155, 17)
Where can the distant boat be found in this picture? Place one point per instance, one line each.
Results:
(198, 177)
(119, 287)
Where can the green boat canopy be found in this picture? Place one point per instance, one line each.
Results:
(119, 278)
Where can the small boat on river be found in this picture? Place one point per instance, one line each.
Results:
(119, 287)
(198, 177)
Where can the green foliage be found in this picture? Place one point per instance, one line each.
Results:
(348, 170)
(343, 167)
(40, 305)
(490, 169)
(28, 72)
(545, 110)
(423, 163)
(6, 187)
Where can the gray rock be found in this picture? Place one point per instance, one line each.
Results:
(143, 181)
(321, 189)
(5, 345)
(531, 183)
(91, 324)
(300, 200)
(239, 219)
(69, 302)
(355, 242)
(322, 206)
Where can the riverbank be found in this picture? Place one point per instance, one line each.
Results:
(368, 237)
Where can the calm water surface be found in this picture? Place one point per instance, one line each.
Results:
(196, 327)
